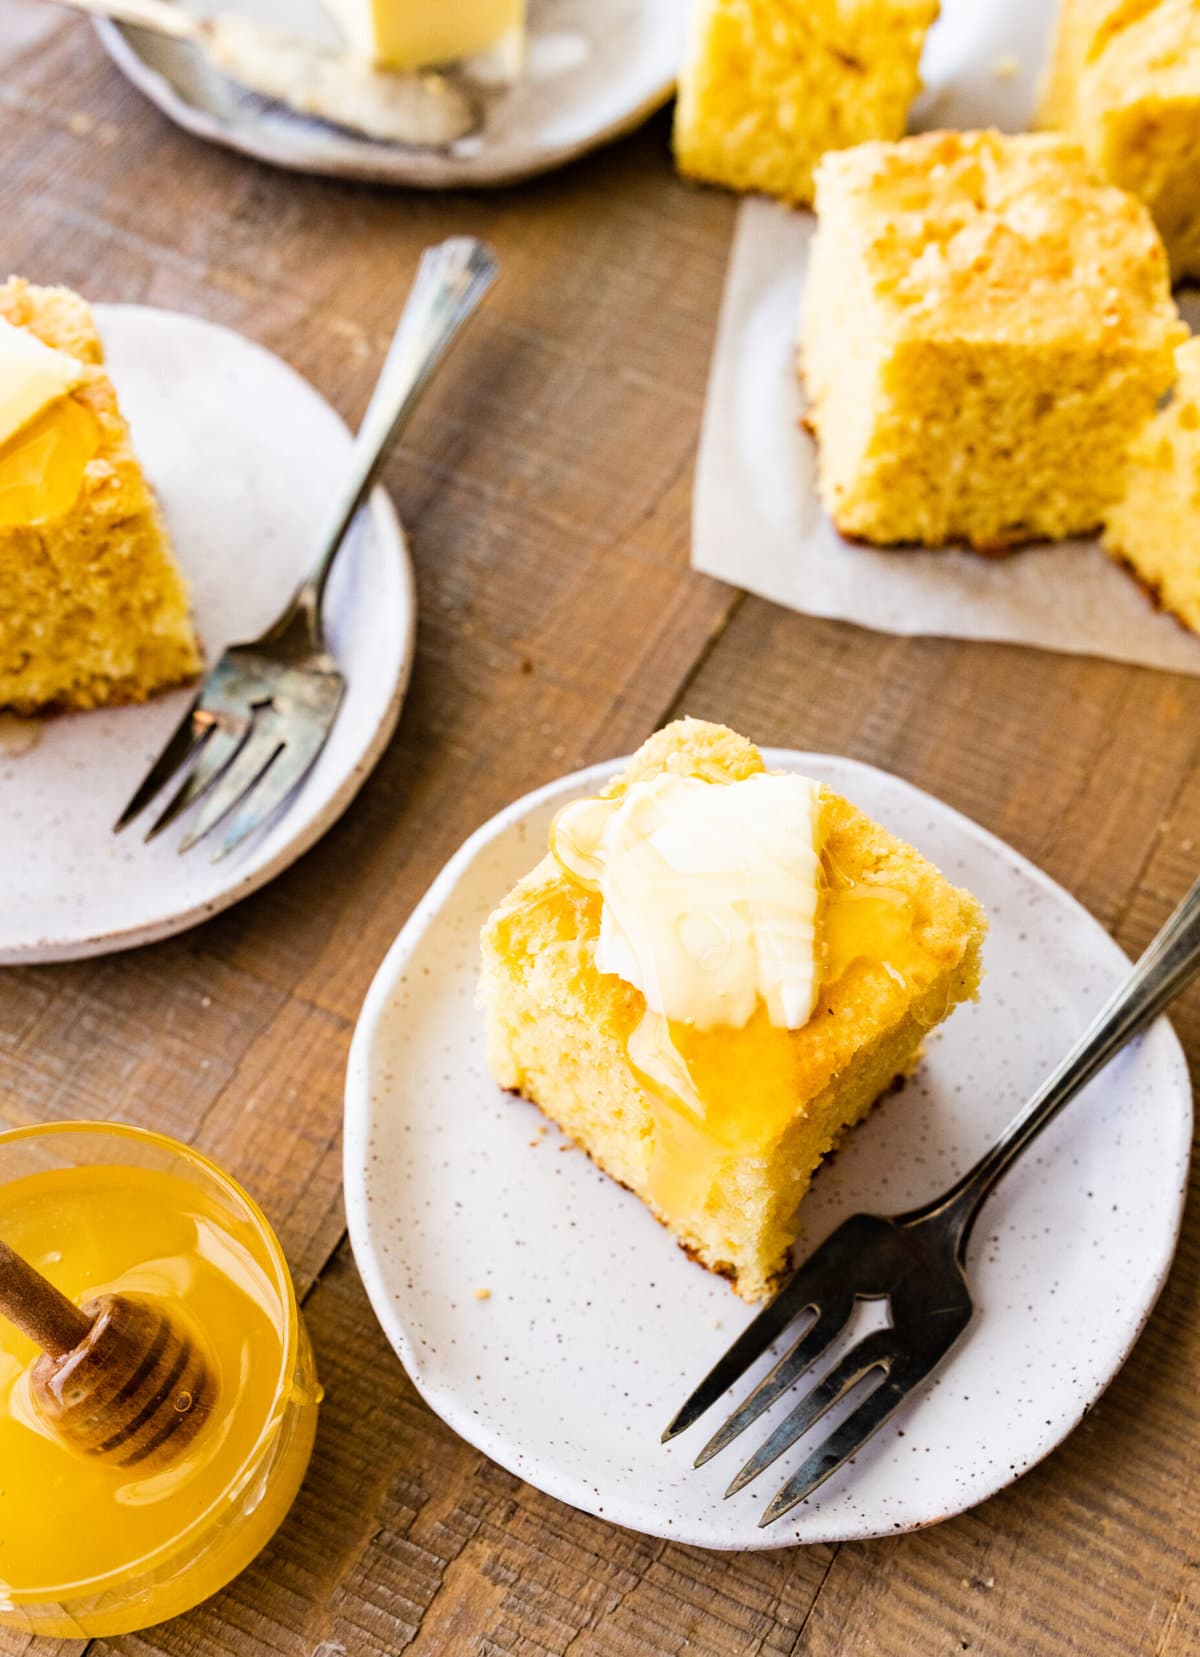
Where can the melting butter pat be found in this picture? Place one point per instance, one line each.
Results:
(32, 376)
(413, 34)
(710, 894)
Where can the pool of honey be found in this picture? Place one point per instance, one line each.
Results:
(42, 466)
(73, 1530)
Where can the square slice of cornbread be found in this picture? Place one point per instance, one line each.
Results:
(93, 610)
(1154, 529)
(1125, 80)
(725, 1171)
(986, 326)
(767, 86)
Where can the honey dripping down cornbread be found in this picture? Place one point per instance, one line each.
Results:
(767, 86)
(1154, 529)
(719, 1130)
(1124, 79)
(986, 327)
(93, 610)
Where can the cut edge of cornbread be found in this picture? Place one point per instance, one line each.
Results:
(557, 1027)
(1124, 77)
(951, 407)
(765, 89)
(1154, 529)
(93, 609)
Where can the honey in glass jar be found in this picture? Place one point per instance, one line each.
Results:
(88, 1548)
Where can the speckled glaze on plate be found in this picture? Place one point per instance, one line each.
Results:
(597, 1326)
(245, 456)
(597, 69)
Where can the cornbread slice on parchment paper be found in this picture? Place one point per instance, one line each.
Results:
(1124, 78)
(987, 325)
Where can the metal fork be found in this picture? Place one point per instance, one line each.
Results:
(915, 1261)
(261, 717)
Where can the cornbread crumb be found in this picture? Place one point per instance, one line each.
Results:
(987, 325)
(1007, 68)
(93, 610)
(767, 86)
(1154, 529)
(482, 1294)
(1125, 79)
(558, 1032)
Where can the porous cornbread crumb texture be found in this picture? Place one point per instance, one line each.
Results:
(1155, 526)
(768, 86)
(986, 326)
(1125, 79)
(92, 608)
(775, 1101)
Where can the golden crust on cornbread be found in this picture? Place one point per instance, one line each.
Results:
(1154, 528)
(1125, 80)
(768, 86)
(987, 325)
(776, 1101)
(92, 608)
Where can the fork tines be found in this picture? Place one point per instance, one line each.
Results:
(871, 1378)
(870, 1359)
(245, 744)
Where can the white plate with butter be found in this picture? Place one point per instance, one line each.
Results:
(544, 1313)
(595, 70)
(245, 457)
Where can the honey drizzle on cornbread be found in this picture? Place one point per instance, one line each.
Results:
(42, 465)
(696, 1078)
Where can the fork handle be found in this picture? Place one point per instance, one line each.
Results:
(451, 280)
(1170, 962)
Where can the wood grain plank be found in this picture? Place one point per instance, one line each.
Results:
(170, 1039)
(152, 1037)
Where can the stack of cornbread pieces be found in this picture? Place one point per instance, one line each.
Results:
(990, 347)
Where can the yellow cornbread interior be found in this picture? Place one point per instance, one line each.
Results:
(92, 607)
(987, 324)
(1125, 79)
(720, 1131)
(768, 86)
(1155, 526)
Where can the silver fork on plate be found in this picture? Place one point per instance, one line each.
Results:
(915, 1261)
(261, 717)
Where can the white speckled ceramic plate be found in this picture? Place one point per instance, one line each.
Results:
(597, 1326)
(597, 69)
(245, 457)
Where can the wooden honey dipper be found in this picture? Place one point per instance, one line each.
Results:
(119, 1378)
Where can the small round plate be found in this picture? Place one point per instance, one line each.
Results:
(246, 458)
(597, 1327)
(596, 69)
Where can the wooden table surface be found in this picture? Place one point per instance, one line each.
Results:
(546, 486)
